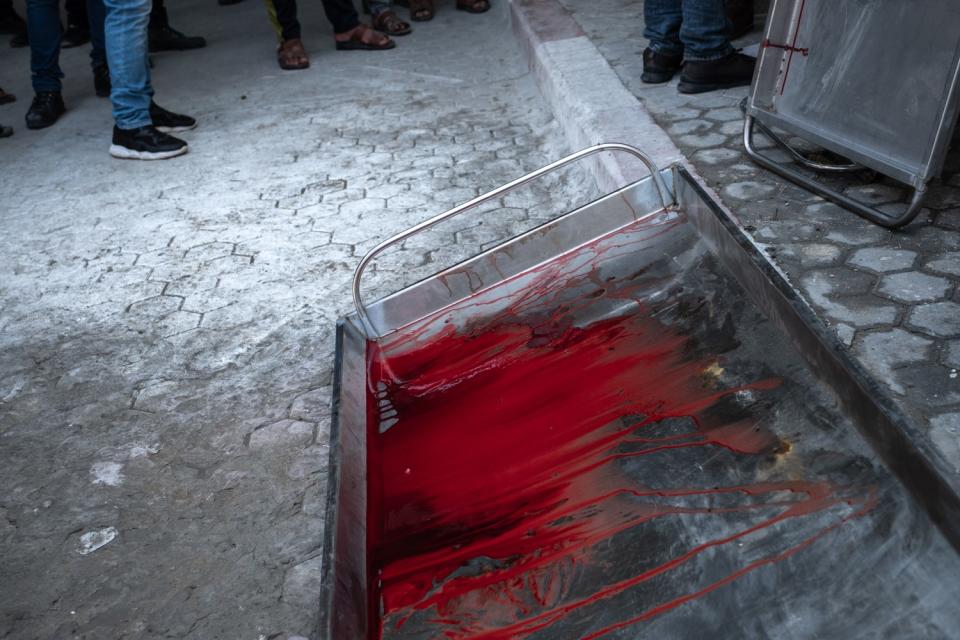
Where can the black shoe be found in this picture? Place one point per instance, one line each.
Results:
(145, 143)
(5, 132)
(734, 70)
(101, 81)
(46, 108)
(224, 3)
(20, 40)
(167, 39)
(74, 36)
(659, 67)
(167, 121)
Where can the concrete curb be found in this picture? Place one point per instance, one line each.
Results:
(585, 94)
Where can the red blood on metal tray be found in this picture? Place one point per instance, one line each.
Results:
(498, 454)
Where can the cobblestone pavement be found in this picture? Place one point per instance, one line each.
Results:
(166, 329)
(891, 296)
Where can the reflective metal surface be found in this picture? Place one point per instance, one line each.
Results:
(872, 80)
(663, 194)
(687, 556)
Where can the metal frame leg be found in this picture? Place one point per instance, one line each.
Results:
(863, 210)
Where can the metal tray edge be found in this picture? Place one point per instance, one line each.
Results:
(895, 438)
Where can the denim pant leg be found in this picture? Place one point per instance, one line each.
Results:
(125, 30)
(661, 19)
(98, 47)
(704, 31)
(341, 14)
(43, 29)
(376, 7)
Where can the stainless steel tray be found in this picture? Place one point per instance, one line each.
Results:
(872, 80)
(740, 477)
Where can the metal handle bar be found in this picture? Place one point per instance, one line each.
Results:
(796, 155)
(863, 210)
(510, 186)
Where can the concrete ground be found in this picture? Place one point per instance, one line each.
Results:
(892, 297)
(166, 329)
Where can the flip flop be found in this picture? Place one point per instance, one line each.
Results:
(289, 51)
(356, 43)
(390, 23)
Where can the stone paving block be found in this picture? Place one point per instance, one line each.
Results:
(358, 208)
(857, 232)
(717, 156)
(284, 433)
(818, 254)
(312, 406)
(883, 352)
(702, 140)
(883, 259)
(684, 127)
(948, 263)
(940, 319)
(913, 286)
(875, 194)
(749, 190)
(945, 433)
(951, 354)
(860, 311)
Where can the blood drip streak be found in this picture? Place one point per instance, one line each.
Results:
(504, 450)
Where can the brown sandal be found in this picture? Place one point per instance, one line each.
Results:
(390, 23)
(364, 38)
(473, 6)
(291, 55)
(420, 10)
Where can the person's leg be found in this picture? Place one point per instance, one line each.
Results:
(341, 14)
(10, 21)
(662, 20)
(43, 26)
(711, 63)
(348, 32)
(98, 49)
(283, 17)
(385, 19)
(163, 37)
(158, 15)
(125, 35)
(291, 54)
(664, 56)
(704, 30)
(140, 123)
(78, 28)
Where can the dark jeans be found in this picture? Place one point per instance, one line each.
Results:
(341, 14)
(77, 13)
(43, 27)
(696, 29)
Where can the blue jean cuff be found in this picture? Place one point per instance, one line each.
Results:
(667, 50)
(693, 57)
(134, 124)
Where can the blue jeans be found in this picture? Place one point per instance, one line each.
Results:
(695, 29)
(125, 27)
(43, 29)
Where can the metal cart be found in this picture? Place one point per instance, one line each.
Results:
(874, 81)
(622, 424)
